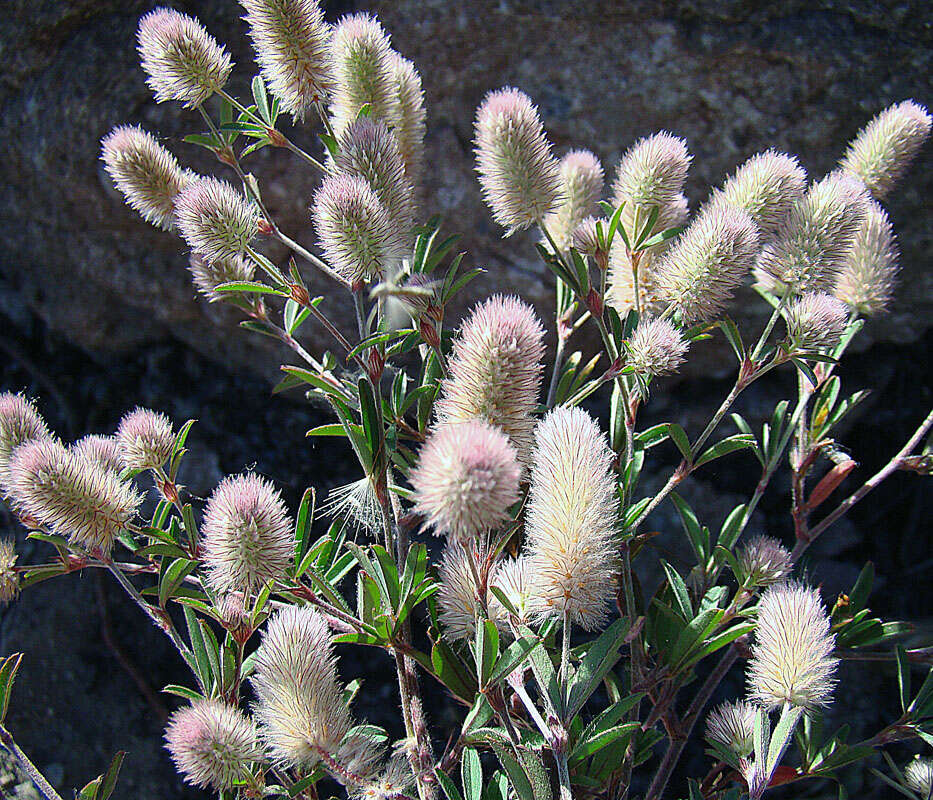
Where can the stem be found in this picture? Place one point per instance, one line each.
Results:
(564, 674)
(28, 767)
(563, 776)
(555, 375)
(310, 257)
(360, 312)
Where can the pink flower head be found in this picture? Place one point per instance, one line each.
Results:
(215, 219)
(146, 439)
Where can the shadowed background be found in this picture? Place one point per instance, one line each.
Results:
(98, 314)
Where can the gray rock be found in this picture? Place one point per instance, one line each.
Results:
(733, 78)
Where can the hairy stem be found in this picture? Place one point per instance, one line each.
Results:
(28, 767)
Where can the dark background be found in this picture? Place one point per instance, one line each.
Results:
(98, 315)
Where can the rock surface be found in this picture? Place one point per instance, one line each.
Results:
(731, 77)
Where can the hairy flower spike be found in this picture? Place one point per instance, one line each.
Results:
(811, 243)
(9, 577)
(70, 495)
(369, 150)
(494, 373)
(212, 743)
(146, 439)
(884, 148)
(732, 725)
(766, 186)
(764, 561)
(571, 519)
(408, 114)
(869, 268)
(354, 230)
(215, 219)
(183, 61)
(19, 423)
(581, 184)
(700, 273)
(292, 43)
(584, 237)
(105, 451)
(208, 275)
(519, 176)
(652, 172)
(466, 479)
(919, 776)
(816, 320)
(363, 68)
(456, 597)
(792, 655)
(656, 348)
(145, 172)
(247, 535)
(515, 578)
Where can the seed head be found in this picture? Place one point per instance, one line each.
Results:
(393, 783)
(884, 148)
(656, 348)
(408, 113)
(869, 269)
(766, 186)
(363, 64)
(732, 725)
(466, 479)
(183, 61)
(515, 578)
(357, 504)
(816, 320)
(105, 451)
(19, 422)
(212, 743)
(764, 561)
(247, 535)
(70, 495)
(216, 220)
(9, 577)
(145, 172)
(146, 439)
(919, 776)
(457, 596)
(354, 229)
(519, 176)
(208, 275)
(811, 244)
(292, 43)
(369, 150)
(792, 655)
(652, 172)
(581, 185)
(300, 708)
(494, 373)
(699, 274)
(571, 519)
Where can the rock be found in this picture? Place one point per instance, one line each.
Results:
(732, 78)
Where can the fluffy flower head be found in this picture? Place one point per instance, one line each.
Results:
(919, 776)
(211, 743)
(656, 348)
(581, 184)
(764, 561)
(515, 578)
(208, 275)
(816, 320)
(19, 422)
(292, 43)
(146, 439)
(104, 451)
(183, 61)
(456, 596)
(884, 148)
(9, 577)
(652, 172)
(519, 176)
(408, 114)
(570, 523)
(792, 654)
(869, 268)
(247, 534)
(766, 186)
(215, 219)
(732, 725)
(466, 479)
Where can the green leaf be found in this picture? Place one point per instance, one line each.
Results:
(603, 739)
(697, 535)
(303, 525)
(696, 631)
(450, 670)
(250, 287)
(679, 437)
(471, 774)
(679, 591)
(109, 778)
(731, 528)
(546, 676)
(173, 576)
(8, 670)
(449, 787)
(485, 651)
(601, 656)
(199, 650)
(526, 773)
(738, 441)
(514, 655)
(262, 99)
(182, 691)
(903, 676)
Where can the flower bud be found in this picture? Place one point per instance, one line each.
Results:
(183, 61)
(514, 577)
(145, 172)
(571, 519)
(869, 268)
(408, 114)
(584, 237)
(457, 595)
(494, 373)
(764, 561)
(70, 495)
(105, 451)
(19, 422)
(519, 176)
(208, 275)
(656, 348)
(700, 273)
(581, 184)
(146, 439)
(354, 229)
(248, 539)
(816, 320)
(212, 743)
(466, 479)
(292, 44)
(9, 577)
(766, 186)
(884, 148)
(792, 654)
(215, 220)
(732, 725)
